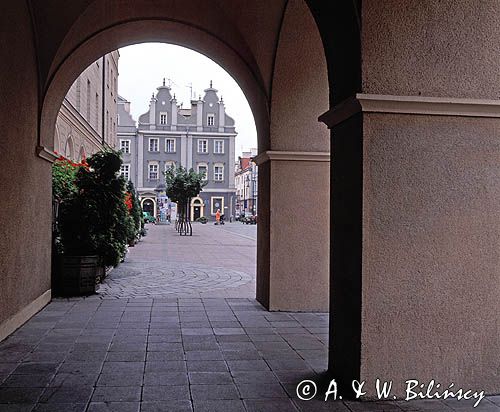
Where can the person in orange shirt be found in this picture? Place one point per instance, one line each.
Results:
(217, 217)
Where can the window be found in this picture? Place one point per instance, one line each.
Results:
(125, 171)
(78, 94)
(97, 112)
(202, 146)
(217, 203)
(153, 171)
(88, 100)
(203, 169)
(211, 120)
(219, 146)
(169, 164)
(125, 146)
(170, 145)
(218, 172)
(153, 144)
(163, 118)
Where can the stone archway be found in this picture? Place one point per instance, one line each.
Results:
(284, 126)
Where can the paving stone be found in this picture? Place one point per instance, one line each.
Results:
(66, 394)
(117, 394)
(86, 357)
(120, 380)
(165, 378)
(163, 406)
(204, 355)
(27, 381)
(126, 357)
(74, 379)
(114, 407)
(20, 395)
(33, 368)
(241, 354)
(45, 357)
(269, 405)
(17, 407)
(80, 367)
(219, 406)
(166, 366)
(165, 393)
(254, 377)
(247, 365)
(261, 390)
(60, 407)
(207, 366)
(166, 356)
(211, 392)
(210, 378)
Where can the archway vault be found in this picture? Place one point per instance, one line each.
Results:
(139, 31)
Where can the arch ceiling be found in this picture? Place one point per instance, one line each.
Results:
(239, 35)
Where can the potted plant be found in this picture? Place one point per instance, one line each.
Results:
(93, 223)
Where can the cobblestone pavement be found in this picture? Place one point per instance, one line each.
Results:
(214, 262)
(162, 353)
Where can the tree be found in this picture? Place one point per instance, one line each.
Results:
(181, 185)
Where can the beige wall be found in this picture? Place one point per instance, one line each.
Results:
(430, 48)
(25, 216)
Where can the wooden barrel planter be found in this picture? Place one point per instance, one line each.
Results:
(78, 275)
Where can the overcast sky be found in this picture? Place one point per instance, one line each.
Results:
(142, 68)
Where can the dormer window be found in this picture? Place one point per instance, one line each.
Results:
(163, 118)
(211, 120)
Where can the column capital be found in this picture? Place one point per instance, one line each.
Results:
(291, 156)
(420, 105)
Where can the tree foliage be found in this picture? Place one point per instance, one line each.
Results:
(182, 184)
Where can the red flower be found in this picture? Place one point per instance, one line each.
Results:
(128, 201)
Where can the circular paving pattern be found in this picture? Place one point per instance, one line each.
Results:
(147, 279)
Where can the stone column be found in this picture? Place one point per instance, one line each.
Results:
(294, 207)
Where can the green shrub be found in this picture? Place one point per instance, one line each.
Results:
(94, 220)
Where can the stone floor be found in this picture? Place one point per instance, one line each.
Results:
(167, 348)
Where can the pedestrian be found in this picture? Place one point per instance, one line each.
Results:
(217, 217)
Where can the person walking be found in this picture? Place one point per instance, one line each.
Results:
(217, 217)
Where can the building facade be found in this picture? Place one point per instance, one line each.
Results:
(202, 138)
(87, 118)
(246, 181)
